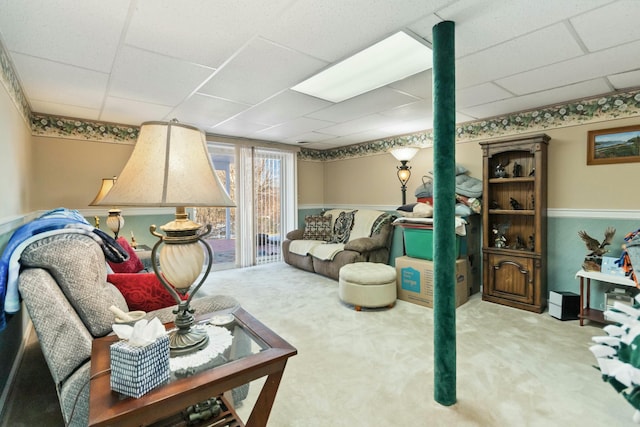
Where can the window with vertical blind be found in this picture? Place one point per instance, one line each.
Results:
(262, 183)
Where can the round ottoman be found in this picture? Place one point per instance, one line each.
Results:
(367, 284)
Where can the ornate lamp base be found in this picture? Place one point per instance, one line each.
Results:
(181, 260)
(181, 343)
(187, 337)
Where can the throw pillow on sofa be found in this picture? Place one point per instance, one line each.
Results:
(317, 227)
(132, 265)
(342, 227)
(143, 291)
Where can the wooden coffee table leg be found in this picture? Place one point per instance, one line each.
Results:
(262, 409)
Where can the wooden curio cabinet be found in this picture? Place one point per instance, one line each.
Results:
(514, 222)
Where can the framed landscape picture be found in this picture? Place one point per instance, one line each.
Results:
(616, 145)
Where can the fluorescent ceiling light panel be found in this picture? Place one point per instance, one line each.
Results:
(387, 61)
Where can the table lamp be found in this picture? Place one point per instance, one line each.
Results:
(170, 167)
(115, 220)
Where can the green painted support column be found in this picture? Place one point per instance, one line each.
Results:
(444, 158)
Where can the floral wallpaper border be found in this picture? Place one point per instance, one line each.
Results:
(600, 108)
(10, 82)
(52, 126)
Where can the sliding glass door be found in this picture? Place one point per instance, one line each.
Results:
(262, 183)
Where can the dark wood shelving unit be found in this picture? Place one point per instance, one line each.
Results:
(514, 268)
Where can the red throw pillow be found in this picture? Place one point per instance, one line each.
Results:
(143, 291)
(132, 265)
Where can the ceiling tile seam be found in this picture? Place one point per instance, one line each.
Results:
(251, 107)
(121, 43)
(194, 91)
(561, 62)
(291, 49)
(513, 95)
(572, 30)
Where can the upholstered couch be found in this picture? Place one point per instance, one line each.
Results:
(63, 283)
(339, 237)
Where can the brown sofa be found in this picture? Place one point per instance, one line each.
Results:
(368, 240)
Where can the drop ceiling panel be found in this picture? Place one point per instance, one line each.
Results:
(53, 82)
(480, 94)
(206, 32)
(285, 106)
(625, 80)
(486, 23)
(149, 77)
(65, 110)
(259, 71)
(77, 32)
(381, 99)
(236, 127)
(611, 26)
(118, 110)
(206, 111)
(333, 30)
(419, 85)
(583, 68)
(524, 53)
(413, 111)
(359, 125)
(228, 66)
(539, 99)
(408, 126)
(308, 137)
(292, 128)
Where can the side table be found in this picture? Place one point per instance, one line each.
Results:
(268, 358)
(586, 312)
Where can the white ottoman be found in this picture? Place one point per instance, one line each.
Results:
(367, 284)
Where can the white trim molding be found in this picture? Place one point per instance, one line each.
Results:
(594, 213)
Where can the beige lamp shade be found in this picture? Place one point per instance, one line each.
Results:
(107, 184)
(404, 153)
(169, 167)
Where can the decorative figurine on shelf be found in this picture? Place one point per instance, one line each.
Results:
(533, 172)
(533, 202)
(532, 243)
(515, 205)
(593, 260)
(494, 205)
(517, 170)
(134, 244)
(499, 231)
(501, 171)
(519, 243)
(96, 219)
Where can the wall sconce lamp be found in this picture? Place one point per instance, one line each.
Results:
(170, 167)
(404, 154)
(115, 220)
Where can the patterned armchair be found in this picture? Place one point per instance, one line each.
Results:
(63, 283)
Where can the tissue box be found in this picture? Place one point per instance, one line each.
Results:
(137, 370)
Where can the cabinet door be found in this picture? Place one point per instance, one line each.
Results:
(511, 278)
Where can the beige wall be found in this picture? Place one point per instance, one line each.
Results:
(15, 154)
(310, 183)
(572, 184)
(68, 172)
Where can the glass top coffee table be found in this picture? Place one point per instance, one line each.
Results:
(256, 352)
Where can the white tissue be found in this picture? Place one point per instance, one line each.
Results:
(142, 333)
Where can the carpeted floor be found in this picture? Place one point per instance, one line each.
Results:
(375, 367)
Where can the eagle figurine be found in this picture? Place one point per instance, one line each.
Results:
(597, 248)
